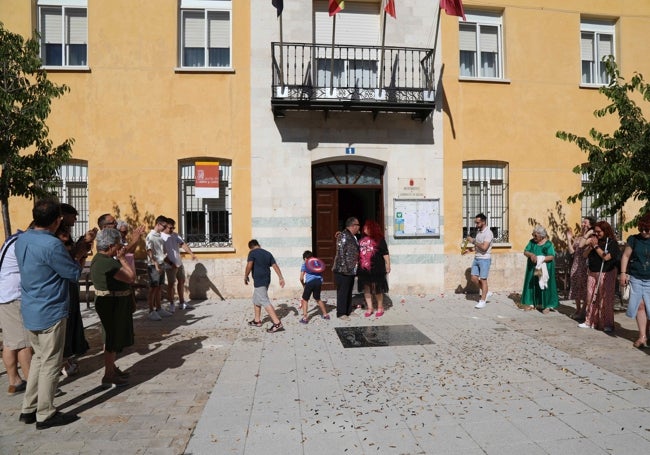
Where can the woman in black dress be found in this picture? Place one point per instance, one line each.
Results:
(374, 265)
(113, 301)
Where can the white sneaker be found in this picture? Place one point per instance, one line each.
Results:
(187, 306)
(480, 304)
(172, 308)
(488, 295)
(154, 316)
(163, 312)
(584, 325)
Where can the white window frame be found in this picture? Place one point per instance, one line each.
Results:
(481, 44)
(485, 190)
(71, 187)
(201, 237)
(210, 9)
(68, 32)
(594, 35)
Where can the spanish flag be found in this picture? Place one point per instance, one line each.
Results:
(336, 6)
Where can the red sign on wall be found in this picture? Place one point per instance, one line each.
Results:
(206, 179)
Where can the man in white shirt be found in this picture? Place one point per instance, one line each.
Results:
(174, 265)
(482, 257)
(155, 268)
(16, 347)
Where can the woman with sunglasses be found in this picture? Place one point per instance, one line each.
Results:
(635, 270)
(602, 255)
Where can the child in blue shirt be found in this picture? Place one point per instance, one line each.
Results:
(312, 282)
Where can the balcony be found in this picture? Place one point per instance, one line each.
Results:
(317, 77)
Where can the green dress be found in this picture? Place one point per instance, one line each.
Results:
(532, 293)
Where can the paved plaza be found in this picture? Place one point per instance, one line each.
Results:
(492, 381)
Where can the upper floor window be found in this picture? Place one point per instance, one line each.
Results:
(206, 208)
(206, 34)
(71, 187)
(63, 26)
(596, 43)
(481, 43)
(485, 190)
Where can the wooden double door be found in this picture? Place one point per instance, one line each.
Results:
(335, 202)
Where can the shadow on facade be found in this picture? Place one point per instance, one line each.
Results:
(199, 284)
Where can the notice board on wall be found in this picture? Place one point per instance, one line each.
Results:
(416, 218)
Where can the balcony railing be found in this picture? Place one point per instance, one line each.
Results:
(352, 78)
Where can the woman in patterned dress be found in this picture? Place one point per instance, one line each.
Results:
(578, 288)
(374, 264)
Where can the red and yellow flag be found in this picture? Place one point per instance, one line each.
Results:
(336, 6)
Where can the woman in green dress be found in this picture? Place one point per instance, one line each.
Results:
(540, 287)
(112, 276)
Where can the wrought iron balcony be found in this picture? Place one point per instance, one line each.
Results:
(352, 78)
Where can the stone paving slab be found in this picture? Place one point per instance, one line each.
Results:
(497, 380)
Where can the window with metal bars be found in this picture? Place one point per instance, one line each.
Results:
(587, 209)
(206, 222)
(71, 187)
(485, 190)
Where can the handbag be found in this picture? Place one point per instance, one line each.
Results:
(625, 292)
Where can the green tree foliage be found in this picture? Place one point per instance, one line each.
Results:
(28, 159)
(618, 166)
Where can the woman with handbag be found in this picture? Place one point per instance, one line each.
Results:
(635, 273)
(602, 255)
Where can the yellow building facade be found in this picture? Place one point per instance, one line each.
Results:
(505, 115)
(155, 87)
(166, 84)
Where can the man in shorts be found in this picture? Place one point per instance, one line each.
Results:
(174, 265)
(15, 339)
(260, 263)
(482, 258)
(155, 268)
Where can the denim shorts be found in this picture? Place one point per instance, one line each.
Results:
(481, 268)
(639, 291)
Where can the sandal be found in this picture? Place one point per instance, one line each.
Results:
(304, 321)
(641, 343)
(379, 314)
(326, 316)
(276, 328)
(368, 314)
(255, 323)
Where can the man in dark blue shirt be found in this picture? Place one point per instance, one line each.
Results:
(260, 263)
(46, 270)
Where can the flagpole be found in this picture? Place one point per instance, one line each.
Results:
(435, 45)
(332, 61)
(281, 56)
(380, 81)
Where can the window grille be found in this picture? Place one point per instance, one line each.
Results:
(71, 187)
(587, 209)
(206, 222)
(485, 190)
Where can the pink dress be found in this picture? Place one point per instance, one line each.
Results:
(578, 289)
